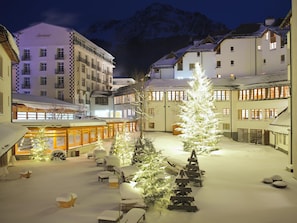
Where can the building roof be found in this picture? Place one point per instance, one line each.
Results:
(42, 102)
(9, 45)
(281, 123)
(10, 134)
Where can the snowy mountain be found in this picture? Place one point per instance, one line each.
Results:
(138, 41)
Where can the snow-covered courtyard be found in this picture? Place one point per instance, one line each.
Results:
(232, 187)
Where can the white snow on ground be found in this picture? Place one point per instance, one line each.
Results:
(232, 189)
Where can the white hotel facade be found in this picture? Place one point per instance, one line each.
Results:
(248, 68)
(60, 63)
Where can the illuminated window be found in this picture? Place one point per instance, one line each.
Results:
(256, 114)
(222, 95)
(270, 113)
(226, 111)
(1, 103)
(243, 114)
(272, 44)
(155, 95)
(151, 111)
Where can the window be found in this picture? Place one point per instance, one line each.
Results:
(180, 65)
(232, 62)
(151, 111)
(222, 95)
(1, 67)
(282, 58)
(176, 96)
(60, 82)
(60, 53)
(43, 93)
(43, 80)
(26, 54)
(43, 53)
(26, 68)
(231, 48)
(226, 126)
(226, 111)
(155, 95)
(198, 54)
(264, 61)
(101, 101)
(259, 47)
(191, 66)
(1, 103)
(243, 114)
(60, 68)
(270, 113)
(151, 125)
(218, 64)
(42, 66)
(256, 114)
(26, 83)
(272, 44)
(61, 95)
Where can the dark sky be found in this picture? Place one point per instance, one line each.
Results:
(16, 15)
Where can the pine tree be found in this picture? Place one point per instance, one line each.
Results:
(199, 125)
(151, 177)
(40, 146)
(123, 148)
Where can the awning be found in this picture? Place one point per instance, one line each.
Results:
(10, 134)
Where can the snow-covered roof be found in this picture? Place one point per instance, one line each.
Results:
(42, 102)
(282, 122)
(60, 123)
(247, 82)
(10, 134)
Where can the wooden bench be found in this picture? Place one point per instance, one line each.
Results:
(66, 200)
(135, 215)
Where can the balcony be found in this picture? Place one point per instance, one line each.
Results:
(26, 72)
(59, 56)
(26, 86)
(26, 57)
(59, 85)
(59, 71)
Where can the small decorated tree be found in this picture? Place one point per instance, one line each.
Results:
(199, 125)
(40, 146)
(123, 148)
(151, 178)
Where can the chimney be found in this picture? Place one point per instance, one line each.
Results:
(269, 21)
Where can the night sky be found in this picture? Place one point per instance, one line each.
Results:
(16, 15)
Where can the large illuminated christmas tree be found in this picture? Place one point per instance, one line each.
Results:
(199, 125)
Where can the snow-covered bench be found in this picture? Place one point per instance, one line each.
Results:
(26, 174)
(135, 215)
(126, 173)
(66, 200)
(131, 197)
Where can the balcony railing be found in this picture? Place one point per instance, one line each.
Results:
(59, 56)
(59, 85)
(26, 57)
(26, 86)
(59, 71)
(26, 71)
